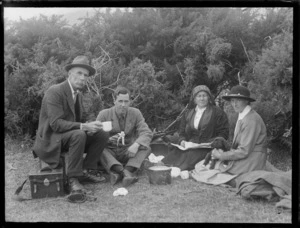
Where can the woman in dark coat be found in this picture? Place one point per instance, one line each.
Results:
(200, 124)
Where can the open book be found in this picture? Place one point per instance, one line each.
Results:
(191, 145)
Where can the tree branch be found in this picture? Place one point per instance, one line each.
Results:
(107, 87)
(180, 74)
(245, 51)
(177, 118)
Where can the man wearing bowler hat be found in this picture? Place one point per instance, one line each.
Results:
(61, 128)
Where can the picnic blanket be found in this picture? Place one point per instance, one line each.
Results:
(273, 186)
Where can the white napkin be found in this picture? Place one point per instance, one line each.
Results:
(175, 172)
(155, 159)
(184, 174)
(120, 192)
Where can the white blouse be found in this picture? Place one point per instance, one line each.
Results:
(198, 115)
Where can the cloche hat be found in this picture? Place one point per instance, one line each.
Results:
(238, 92)
(81, 61)
(200, 88)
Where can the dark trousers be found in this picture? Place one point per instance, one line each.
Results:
(110, 157)
(77, 142)
(185, 160)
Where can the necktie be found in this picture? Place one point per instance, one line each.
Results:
(75, 96)
(122, 122)
(76, 106)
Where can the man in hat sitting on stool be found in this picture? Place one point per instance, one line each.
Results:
(61, 128)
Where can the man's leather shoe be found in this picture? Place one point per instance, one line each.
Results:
(114, 177)
(90, 178)
(75, 186)
(95, 172)
(129, 178)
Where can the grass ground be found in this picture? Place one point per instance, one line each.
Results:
(183, 201)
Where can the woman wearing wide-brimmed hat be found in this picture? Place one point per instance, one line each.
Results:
(201, 123)
(249, 148)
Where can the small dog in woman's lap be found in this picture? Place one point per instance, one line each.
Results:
(217, 143)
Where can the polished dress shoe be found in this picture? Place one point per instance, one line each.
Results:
(115, 177)
(96, 172)
(90, 178)
(75, 186)
(129, 178)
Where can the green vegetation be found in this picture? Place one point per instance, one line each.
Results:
(160, 54)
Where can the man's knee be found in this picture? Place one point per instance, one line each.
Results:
(102, 136)
(78, 136)
(145, 152)
(140, 156)
(106, 153)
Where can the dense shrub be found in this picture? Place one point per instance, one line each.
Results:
(161, 54)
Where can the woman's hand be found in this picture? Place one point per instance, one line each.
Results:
(216, 153)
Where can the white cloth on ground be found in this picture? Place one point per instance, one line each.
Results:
(155, 159)
(175, 171)
(120, 192)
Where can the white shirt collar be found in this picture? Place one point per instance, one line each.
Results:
(244, 112)
(72, 90)
(197, 109)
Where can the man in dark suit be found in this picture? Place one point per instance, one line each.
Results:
(61, 128)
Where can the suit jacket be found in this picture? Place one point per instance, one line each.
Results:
(57, 116)
(249, 147)
(136, 129)
(213, 123)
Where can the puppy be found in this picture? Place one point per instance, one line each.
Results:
(217, 143)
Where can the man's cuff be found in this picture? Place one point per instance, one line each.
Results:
(81, 126)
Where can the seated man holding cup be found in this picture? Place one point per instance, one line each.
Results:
(129, 141)
(62, 128)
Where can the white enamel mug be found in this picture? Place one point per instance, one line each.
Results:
(107, 126)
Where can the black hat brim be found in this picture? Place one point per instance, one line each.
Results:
(91, 70)
(228, 97)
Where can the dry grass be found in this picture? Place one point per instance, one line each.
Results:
(183, 201)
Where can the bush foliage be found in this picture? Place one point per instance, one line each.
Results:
(160, 54)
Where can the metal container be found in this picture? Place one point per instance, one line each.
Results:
(159, 175)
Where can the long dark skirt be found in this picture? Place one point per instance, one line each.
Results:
(185, 160)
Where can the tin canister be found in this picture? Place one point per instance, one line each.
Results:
(159, 175)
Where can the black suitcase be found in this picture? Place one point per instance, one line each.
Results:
(47, 184)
